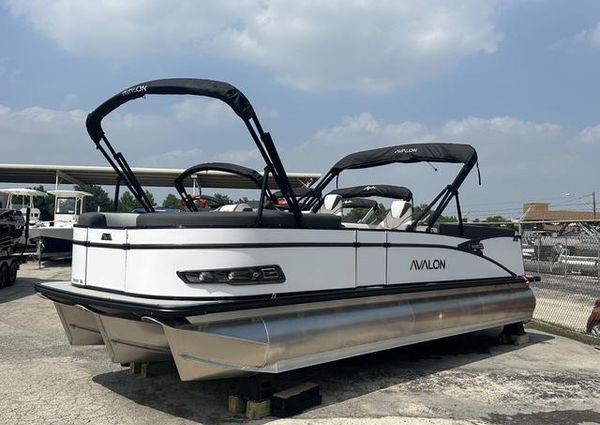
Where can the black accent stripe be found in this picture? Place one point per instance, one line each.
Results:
(288, 245)
(223, 304)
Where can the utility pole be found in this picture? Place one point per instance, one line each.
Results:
(594, 203)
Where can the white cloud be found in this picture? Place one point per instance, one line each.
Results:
(591, 36)
(205, 112)
(589, 135)
(363, 45)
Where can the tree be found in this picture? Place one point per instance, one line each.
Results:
(128, 203)
(223, 199)
(171, 201)
(356, 214)
(418, 210)
(99, 198)
(496, 219)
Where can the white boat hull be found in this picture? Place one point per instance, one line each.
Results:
(345, 292)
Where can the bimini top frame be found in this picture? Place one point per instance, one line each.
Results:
(421, 152)
(197, 87)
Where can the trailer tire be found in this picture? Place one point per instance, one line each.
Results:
(3, 275)
(12, 273)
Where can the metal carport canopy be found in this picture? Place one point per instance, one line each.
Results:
(151, 177)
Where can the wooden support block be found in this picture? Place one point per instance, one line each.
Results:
(258, 409)
(520, 339)
(149, 370)
(135, 367)
(236, 404)
(295, 400)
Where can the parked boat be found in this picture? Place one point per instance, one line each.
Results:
(54, 238)
(22, 199)
(263, 290)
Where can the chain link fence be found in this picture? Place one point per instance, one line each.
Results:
(567, 258)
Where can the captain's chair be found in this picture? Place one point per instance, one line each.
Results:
(332, 204)
(399, 216)
(34, 214)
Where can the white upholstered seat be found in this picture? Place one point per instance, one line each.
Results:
(332, 204)
(399, 216)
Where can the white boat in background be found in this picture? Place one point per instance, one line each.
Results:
(21, 199)
(241, 290)
(54, 238)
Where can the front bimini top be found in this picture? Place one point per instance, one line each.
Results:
(411, 153)
(225, 92)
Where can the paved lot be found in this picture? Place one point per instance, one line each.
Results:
(466, 380)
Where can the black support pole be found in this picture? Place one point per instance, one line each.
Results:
(117, 188)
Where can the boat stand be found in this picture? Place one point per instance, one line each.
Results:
(258, 396)
(514, 333)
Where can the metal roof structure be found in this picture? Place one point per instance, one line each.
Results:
(150, 177)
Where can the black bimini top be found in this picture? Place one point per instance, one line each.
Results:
(225, 92)
(359, 203)
(418, 152)
(383, 190)
(172, 86)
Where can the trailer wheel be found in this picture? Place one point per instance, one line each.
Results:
(3, 275)
(12, 273)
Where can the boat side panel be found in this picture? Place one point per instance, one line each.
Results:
(79, 257)
(506, 251)
(370, 260)
(155, 271)
(106, 267)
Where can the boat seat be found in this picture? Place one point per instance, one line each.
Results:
(332, 204)
(399, 216)
(234, 207)
(271, 218)
(34, 214)
(95, 219)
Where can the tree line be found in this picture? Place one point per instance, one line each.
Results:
(127, 203)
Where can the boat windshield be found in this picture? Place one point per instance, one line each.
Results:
(65, 206)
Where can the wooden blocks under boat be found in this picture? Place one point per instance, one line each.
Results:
(288, 402)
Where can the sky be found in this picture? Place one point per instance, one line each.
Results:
(518, 80)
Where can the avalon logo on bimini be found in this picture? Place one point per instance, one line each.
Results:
(136, 89)
(370, 188)
(428, 264)
(405, 150)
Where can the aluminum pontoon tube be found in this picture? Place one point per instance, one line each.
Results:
(132, 341)
(296, 338)
(277, 339)
(79, 324)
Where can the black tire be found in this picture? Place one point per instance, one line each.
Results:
(595, 329)
(3, 275)
(12, 273)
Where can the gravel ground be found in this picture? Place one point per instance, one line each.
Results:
(468, 379)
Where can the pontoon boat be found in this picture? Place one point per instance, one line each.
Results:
(229, 293)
